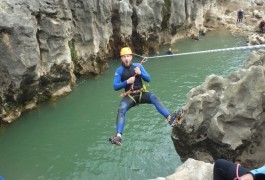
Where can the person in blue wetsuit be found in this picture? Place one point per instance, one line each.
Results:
(226, 170)
(169, 52)
(129, 77)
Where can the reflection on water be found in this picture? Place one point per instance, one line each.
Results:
(67, 139)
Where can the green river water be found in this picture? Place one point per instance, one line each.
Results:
(67, 139)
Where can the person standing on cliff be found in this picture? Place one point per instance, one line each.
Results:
(240, 15)
(129, 76)
(262, 26)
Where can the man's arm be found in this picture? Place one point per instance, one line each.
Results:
(117, 84)
(146, 77)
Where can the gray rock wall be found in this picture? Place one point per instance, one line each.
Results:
(35, 53)
(226, 117)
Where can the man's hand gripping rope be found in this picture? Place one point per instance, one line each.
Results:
(127, 92)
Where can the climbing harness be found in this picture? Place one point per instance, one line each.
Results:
(237, 168)
(131, 88)
(140, 91)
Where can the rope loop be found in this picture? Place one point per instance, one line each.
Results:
(145, 59)
(237, 168)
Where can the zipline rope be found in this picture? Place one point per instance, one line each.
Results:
(207, 51)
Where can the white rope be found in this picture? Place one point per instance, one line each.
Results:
(207, 51)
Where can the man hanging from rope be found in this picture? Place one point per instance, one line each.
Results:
(129, 76)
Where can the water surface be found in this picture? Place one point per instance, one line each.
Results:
(67, 139)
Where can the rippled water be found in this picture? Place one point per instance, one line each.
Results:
(67, 139)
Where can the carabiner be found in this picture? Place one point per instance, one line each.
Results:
(144, 60)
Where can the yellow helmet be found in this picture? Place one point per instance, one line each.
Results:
(125, 51)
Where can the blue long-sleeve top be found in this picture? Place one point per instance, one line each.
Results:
(123, 73)
(260, 170)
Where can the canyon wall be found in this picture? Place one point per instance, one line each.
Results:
(46, 43)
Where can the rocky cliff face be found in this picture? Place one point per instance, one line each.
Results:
(45, 42)
(226, 117)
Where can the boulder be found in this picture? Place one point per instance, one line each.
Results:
(193, 170)
(225, 118)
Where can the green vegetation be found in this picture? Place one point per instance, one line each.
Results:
(166, 12)
(74, 65)
(72, 50)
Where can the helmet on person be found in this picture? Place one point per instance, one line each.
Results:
(169, 49)
(126, 51)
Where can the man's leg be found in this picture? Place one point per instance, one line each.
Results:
(125, 104)
(150, 98)
(172, 119)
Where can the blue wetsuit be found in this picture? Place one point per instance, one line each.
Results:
(226, 170)
(120, 81)
(169, 52)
